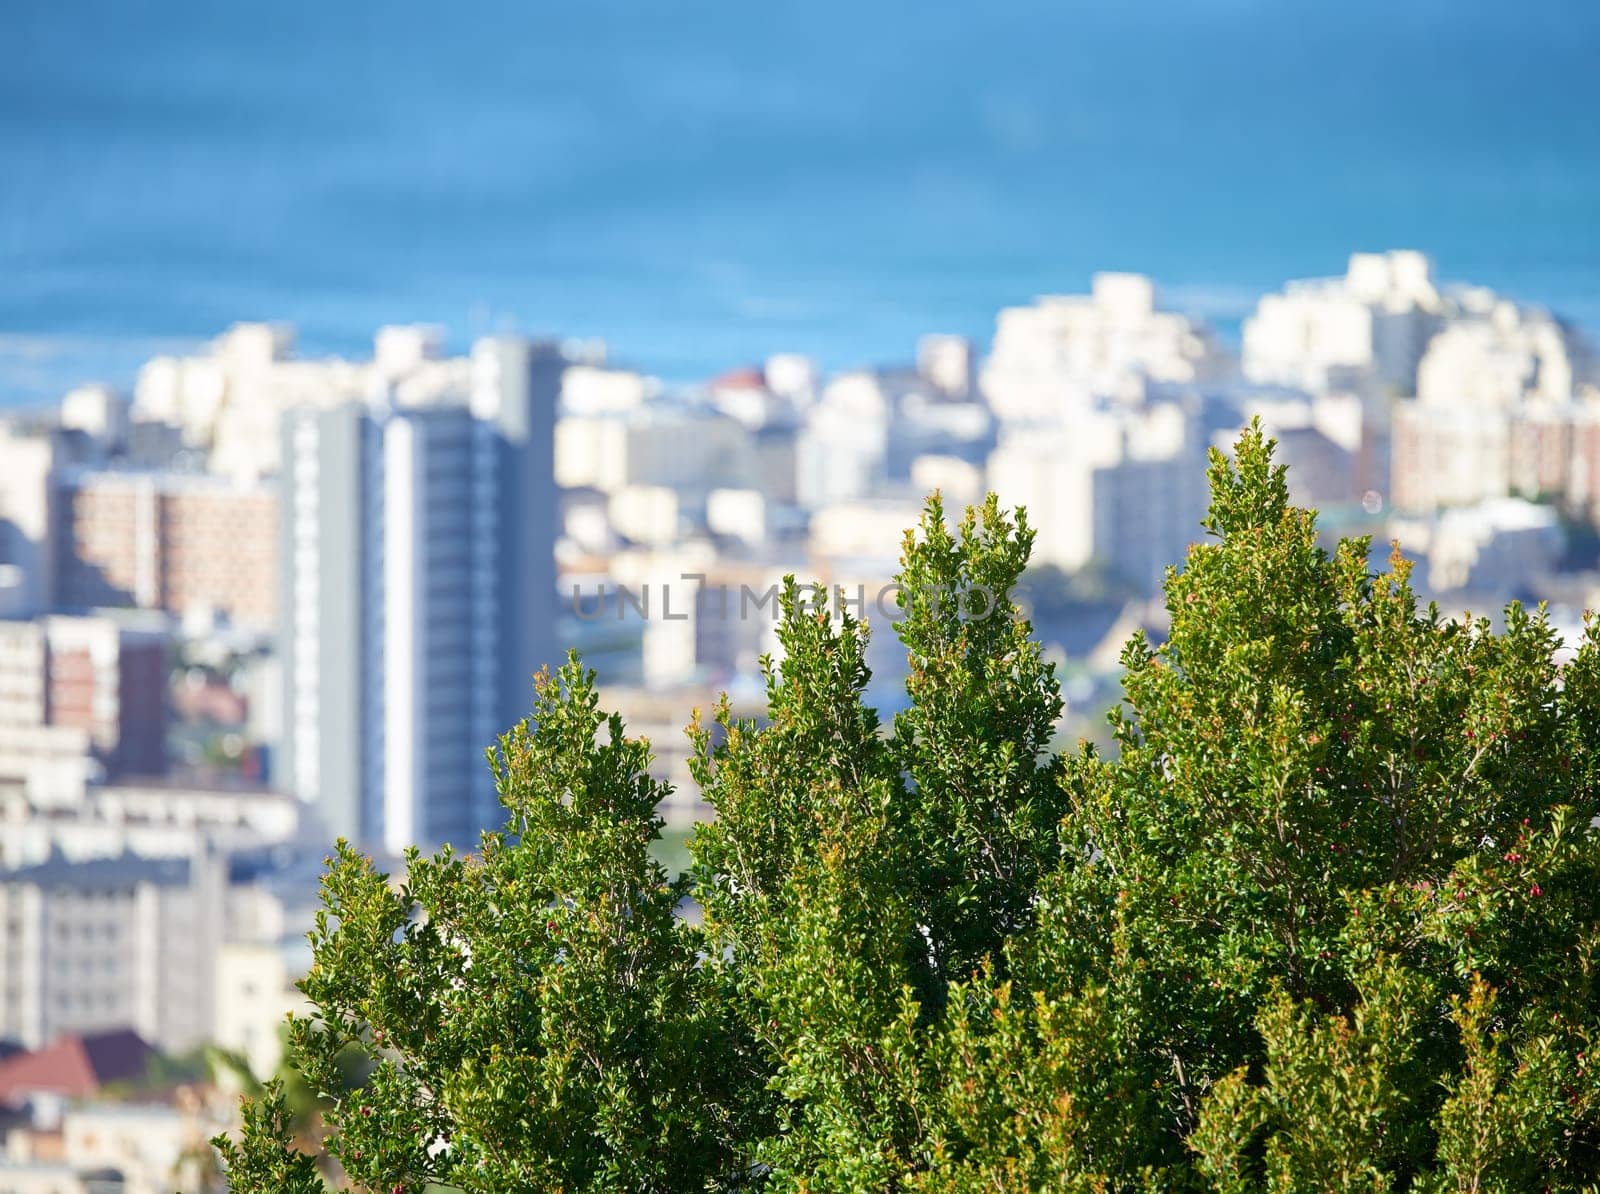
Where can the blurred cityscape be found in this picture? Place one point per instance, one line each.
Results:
(253, 601)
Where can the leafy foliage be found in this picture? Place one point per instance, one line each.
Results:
(263, 1158)
(1326, 921)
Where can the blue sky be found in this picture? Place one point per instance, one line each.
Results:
(704, 183)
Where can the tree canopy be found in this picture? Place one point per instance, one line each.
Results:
(1327, 919)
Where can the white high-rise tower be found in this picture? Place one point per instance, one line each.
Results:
(419, 596)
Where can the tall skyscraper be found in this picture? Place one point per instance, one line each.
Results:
(516, 385)
(419, 595)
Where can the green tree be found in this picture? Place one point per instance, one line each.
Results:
(1326, 920)
(264, 1156)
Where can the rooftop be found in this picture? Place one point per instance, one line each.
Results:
(126, 870)
(75, 1066)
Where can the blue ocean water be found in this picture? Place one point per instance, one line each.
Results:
(704, 183)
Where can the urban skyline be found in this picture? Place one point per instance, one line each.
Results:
(363, 364)
(262, 599)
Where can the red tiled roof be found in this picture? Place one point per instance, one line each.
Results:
(75, 1066)
(740, 379)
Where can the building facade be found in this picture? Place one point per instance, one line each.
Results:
(1119, 489)
(107, 943)
(418, 597)
(1051, 360)
(79, 694)
(174, 542)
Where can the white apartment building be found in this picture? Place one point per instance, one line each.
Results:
(594, 389)
(227, 401)
(865, 531)
(792, 377)
(841, 452)
(115, 1148)
(925, 426)
(156, 1147)
(29, 461)
(108, 943)
(1492, 545)
(668, 443)
(744, 396)
(235, 391)
(419, 601)
(645, 514)
(99, 413)
(1499, 357)
(1364, 331)
(948, 363)
(959, 482)
(1125, 489)
(254, 992)
(149, 820)
(1500, 409)
(1052, 359)
(80, 698)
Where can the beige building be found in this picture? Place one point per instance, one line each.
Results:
(254, 992)
(1444, 458)
(1498, 356)
(1493, 545)
(129, 1148)
(687, 448)
(229, 401)
(171, 542)
(1502, 408)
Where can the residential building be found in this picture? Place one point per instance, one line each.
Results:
(110, 943)
(1365, 331)
(148, 819)
(959, 482)
(74, 1066)
(1122, 489)
(108, 1147)
(182, 543)
(948, 364)
(793, 377)
(744, 396)
(1443, 457)
(98, 413)
(1499, 355)
(740, 515)
(418, 600)
(1321, 440)
(645, 514)
(1052, 359)
(842, 449)
(594, 388)
(255, 991)
(1493, 546)
(1503, 407)
(227, 401)
(81, 695)
(930, 426)
(29, 460)
(683, 445)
